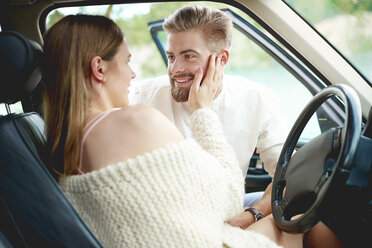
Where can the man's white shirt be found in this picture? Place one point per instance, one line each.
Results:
(247, 110)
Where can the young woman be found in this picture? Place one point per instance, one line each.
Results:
(128, 171)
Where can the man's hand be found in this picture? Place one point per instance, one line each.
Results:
(242, 220)
(245, 219)
(202, 93)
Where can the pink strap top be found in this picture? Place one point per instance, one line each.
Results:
(88, 127)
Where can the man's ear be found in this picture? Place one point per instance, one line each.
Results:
(96, 67)
(225, 56)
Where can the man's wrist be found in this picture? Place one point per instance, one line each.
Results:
(257, 214)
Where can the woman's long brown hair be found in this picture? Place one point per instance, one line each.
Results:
(69, 47)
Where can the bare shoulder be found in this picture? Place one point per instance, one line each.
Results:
(140, 111)
(143, 116)
(127, 133)
(146, 128)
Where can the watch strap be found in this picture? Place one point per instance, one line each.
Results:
(257, 214)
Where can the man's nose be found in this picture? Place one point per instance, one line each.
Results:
(176, 66)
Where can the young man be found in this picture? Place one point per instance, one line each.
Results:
(247, 110)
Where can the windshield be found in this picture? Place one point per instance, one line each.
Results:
(344, 23)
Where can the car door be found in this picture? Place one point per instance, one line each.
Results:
(265, 60)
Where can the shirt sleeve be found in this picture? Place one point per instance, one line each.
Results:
(272, 134)
(147, 92)
(135, 97)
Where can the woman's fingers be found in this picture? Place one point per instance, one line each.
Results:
(197, 80)
(218, 75)
(204, 91)
(211, 79)
(218, 68)
(211, 70)
(194, 101)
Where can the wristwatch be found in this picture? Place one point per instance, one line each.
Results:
(257, 214)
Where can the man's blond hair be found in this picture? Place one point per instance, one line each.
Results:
(214, 24)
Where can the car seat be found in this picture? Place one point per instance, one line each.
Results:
(33, 210)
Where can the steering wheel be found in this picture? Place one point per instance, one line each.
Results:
(301, 181)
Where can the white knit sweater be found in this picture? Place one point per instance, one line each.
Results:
(175, 196)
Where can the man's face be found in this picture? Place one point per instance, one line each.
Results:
(187, 51)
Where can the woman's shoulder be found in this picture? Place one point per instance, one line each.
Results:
(140, 111)
(127, 133)
(144, 127)
(142, 116)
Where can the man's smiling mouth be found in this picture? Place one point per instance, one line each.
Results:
(183, 82)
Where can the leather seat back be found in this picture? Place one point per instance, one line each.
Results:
(34, 212)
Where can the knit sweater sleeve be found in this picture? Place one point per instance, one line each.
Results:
(207, 131)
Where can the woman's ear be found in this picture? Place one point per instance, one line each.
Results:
(96, 67)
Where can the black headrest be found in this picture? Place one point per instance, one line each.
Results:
(20, 60)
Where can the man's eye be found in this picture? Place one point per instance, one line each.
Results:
(170, 57)
(188, 56)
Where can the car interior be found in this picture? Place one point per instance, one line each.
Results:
(34, 212)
